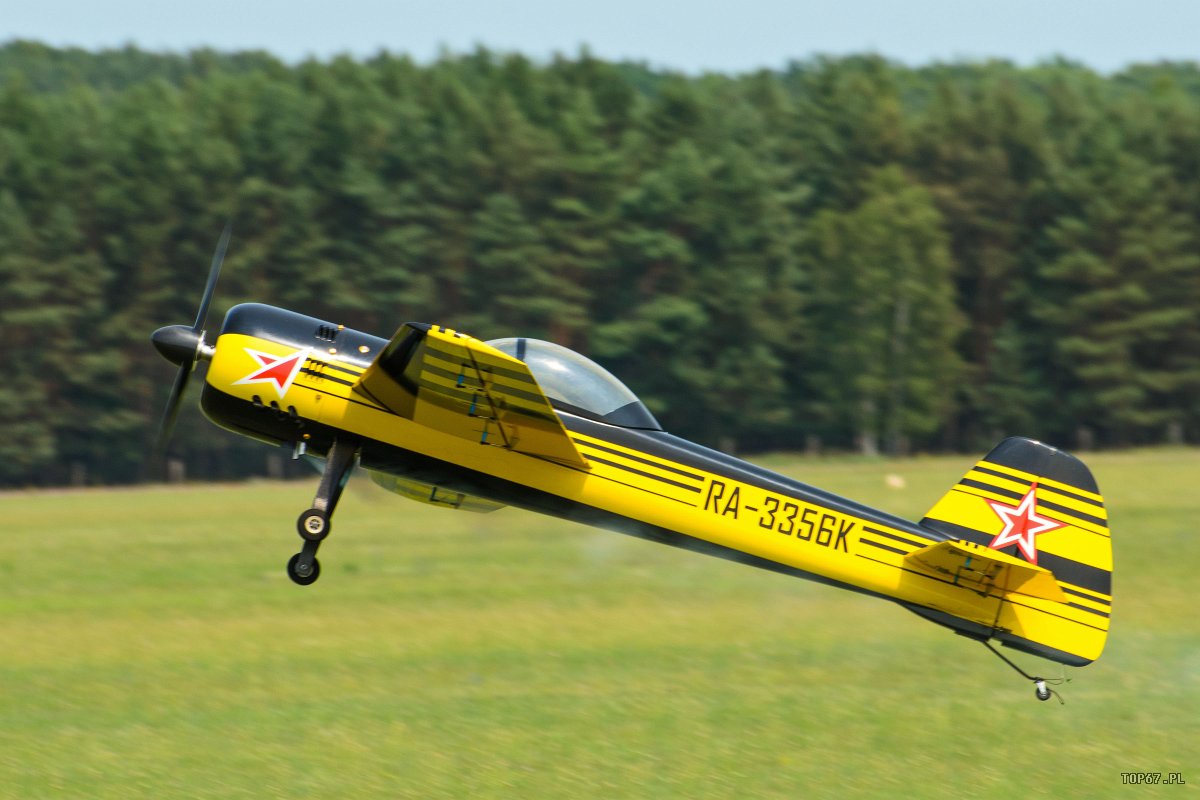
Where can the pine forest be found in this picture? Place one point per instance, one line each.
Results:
(840, 255)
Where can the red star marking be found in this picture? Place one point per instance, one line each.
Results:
(1022, 524)
(277, 370)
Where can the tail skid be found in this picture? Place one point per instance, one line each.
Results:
(1041, 686)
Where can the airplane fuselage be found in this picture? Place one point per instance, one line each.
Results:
(287, 379)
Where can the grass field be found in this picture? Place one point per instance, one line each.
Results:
(151, 646)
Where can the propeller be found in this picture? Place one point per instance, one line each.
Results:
(184, 346)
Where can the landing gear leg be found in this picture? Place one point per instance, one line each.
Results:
(314, 524)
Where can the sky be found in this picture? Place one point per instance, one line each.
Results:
(688, 35)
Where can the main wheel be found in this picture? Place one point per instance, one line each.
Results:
(1042, 691)
(313, 525)
(294, 573)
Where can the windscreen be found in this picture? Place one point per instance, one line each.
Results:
(578, 384)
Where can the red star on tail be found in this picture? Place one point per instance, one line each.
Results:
(1022, 524)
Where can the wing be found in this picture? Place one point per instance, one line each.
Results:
(985, 570)
(459, 385)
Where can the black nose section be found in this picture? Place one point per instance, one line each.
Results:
(177, 343)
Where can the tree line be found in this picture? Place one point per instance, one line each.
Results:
(843, 254)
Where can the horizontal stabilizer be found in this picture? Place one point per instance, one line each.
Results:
(985, 570)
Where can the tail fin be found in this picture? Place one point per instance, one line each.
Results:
(1031, 520)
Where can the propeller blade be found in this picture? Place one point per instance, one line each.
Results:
(184, 346)
(167, 425)
(213, 272)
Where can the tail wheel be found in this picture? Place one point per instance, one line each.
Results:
(304, 578)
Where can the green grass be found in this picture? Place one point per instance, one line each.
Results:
(151, 646)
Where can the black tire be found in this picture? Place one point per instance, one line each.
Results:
(313, 525)
(303, 580)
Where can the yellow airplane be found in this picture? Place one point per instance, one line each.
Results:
(1018, 551)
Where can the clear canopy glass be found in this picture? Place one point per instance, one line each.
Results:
(577, 384)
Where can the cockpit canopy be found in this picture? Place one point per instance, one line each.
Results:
(578, 385)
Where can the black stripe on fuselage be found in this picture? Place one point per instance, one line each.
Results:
(902, 539)
(586, 471)
(639, 459)
(641, 472)
(882, 546)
